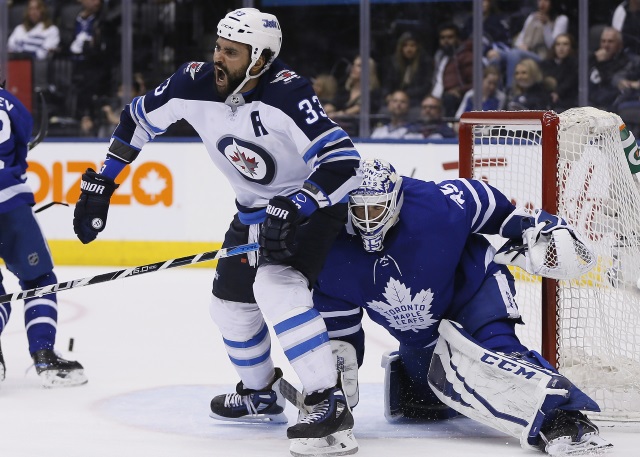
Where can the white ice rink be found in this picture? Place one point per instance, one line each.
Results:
(154, 360)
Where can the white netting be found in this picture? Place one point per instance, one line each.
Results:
(598, 334)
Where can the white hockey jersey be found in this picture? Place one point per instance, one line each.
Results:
(269, 141)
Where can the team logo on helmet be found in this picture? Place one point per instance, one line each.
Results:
(252, 161)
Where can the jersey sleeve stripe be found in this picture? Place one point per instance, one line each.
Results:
(141, 119)
(490, 208)
(476, 199)
(328, 314)
(345, 331)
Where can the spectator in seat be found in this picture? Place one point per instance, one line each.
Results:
(409, 69)
(607, 67)
(492, 97)
(431, 124)
(400, 124)
(92, 52)
(348, 96)
(326, 87)
(560, 73)
(453, 75)
(626, 20)
(36, 35)
(534, 40)
(528, 91)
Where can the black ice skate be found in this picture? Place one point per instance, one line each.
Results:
(571, 433)
(54, 371)
(327, 430)
(2, 369)
(248, 405)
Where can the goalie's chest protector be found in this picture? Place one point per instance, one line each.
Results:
(409, 286)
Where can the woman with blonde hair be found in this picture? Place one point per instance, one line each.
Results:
(348, 98)
(528, 91)
(36, 34)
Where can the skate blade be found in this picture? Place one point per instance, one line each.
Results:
(590, 445)
(336, 444)
(62, 378)
(253, 419)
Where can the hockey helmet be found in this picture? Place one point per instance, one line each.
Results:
(374, 207)
(257, 29)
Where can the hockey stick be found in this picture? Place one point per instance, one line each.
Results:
(44, 123)
(49, 205)
(135, 271)
(293, 396)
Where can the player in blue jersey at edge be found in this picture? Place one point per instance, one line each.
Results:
(414, 257)
(25, 251)
(291, 168)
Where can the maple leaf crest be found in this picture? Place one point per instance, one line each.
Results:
(402, 311)
(248, 164)
(153, 184)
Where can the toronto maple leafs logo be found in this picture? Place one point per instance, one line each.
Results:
(251, 160)
(402, 311)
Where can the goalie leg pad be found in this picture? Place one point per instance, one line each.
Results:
(347, 364)
(392, 403)
(503, 392)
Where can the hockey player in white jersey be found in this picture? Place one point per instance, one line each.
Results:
(413, 256)
(291, 168)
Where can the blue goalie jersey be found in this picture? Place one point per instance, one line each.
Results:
(433, 264)
(269, 141)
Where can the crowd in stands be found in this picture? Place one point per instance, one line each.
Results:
(417, 89)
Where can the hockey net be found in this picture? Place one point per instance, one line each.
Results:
(572, 164)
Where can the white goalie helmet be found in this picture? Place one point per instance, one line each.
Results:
(374, 207)
(257, 29)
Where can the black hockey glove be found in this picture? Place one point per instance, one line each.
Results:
(90, 215)
(277, 236)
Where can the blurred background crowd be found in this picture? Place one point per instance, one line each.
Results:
(421, 57)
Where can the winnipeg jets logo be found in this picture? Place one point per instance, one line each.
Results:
(252, 161)
(286, 76)
(193, 68)
(402, 311)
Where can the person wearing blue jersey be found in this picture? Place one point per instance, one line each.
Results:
(291, 168)
(413, 255)
(25, 251)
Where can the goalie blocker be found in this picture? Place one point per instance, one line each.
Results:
(512, 393)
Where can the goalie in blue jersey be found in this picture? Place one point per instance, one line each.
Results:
(413, 255)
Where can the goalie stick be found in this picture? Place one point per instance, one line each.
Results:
(129, 272)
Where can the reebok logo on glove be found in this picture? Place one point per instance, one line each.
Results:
(280, 213)
(90, 187)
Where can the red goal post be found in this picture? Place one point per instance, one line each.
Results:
(572, 164)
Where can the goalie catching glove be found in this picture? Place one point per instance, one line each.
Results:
(90, 214)
(544, 244)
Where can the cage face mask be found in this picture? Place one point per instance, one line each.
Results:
(374, 207)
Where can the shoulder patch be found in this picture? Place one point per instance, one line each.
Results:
(192, 68)
(285, 75)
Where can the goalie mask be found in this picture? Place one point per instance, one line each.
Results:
(257, 29)
(374, 207)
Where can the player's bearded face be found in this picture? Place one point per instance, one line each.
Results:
(230, 65)
(228, 80)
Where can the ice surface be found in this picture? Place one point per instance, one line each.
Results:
(154, 360)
